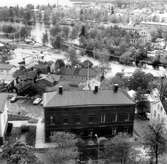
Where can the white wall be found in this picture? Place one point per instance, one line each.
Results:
(157, 112)
(3, 121)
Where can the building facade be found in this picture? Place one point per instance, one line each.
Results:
(86, 113)
(3, 116)
(158, 109)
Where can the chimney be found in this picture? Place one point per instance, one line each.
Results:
(116, 87)
(95, 89)
(60, 90)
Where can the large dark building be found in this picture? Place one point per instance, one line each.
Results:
(86, 113)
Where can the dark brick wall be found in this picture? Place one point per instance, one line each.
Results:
(104, 120)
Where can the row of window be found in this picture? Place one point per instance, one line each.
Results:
(92, 118)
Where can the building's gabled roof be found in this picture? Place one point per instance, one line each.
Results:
(3, 98)
(86, 98)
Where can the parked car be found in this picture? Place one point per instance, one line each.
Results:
(13, 99)
(37, 101)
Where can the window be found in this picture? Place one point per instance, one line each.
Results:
(76, 119)
(103, 118)
(51, 120)
(111, 117)
(91, 119)
(123, 117)
(158, 116)
(65, 120)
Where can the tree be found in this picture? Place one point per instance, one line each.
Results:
(74, 32)
(66, 31)
(73, 56)
(8, 29)
(57, 42)
(83, 31)
(140, 79)
(27, 16)
(142, 104)
(45, 38)
(54, 31)
(117, 148)
(19, 153)
(24, 32)
(66, 150)
(155, 140)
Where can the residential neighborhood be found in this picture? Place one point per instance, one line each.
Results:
(83, 82)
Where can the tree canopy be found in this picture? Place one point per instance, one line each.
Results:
(19, 153)
(117, 148)
(140, 79)
(66, 149)
(155, 139)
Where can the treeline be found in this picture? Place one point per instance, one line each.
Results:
(15, 31)
(18, 14)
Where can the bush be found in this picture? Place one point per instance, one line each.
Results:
(31, 135)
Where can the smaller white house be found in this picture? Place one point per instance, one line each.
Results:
(158, 109)
(159, 44)
(3, 116)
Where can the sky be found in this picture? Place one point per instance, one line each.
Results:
(34, 2)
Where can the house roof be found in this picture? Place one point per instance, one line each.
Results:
(27, 75)
(5, 67)
(86, 98)
(3, 98)
(78, 72)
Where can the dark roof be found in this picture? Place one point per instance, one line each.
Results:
(5, 67)
(28, 75)
(3, 98)
(86, 98)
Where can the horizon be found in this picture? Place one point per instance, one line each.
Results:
(23, 3)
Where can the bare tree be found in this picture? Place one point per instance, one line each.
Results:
(117, 148)
(155, 140)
